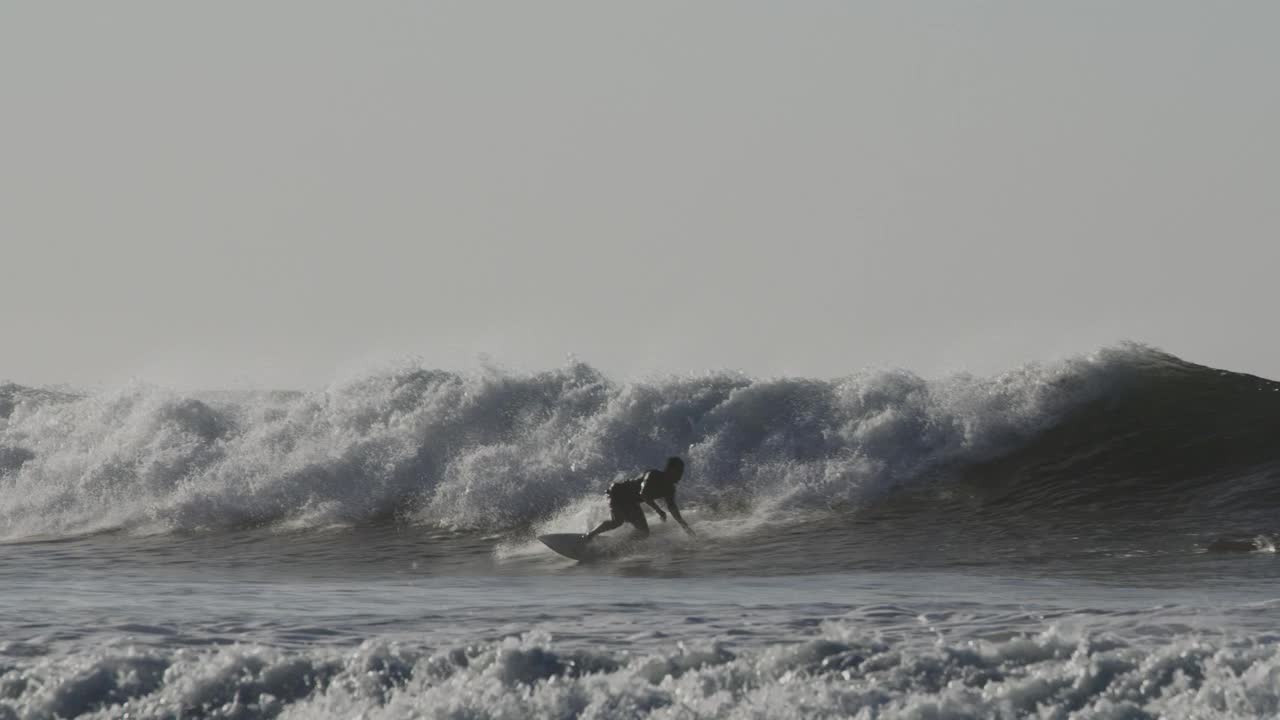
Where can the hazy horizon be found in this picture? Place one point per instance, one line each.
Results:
(278, 195)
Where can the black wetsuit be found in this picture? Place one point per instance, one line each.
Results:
(627, 499)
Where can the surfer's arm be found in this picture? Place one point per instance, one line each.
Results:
(675, 513)
(657, 509)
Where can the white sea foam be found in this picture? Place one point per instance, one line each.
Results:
(838, 672)
(491, 450)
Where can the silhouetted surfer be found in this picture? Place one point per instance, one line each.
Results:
(626, 496)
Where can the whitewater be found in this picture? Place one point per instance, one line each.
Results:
(1090, 537)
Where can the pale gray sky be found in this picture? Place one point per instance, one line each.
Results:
(277, 193)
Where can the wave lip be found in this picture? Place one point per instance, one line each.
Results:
(491, 451)
(1175, 440)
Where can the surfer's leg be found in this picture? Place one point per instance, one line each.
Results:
(612, 523)
(617, 516)
(635, 516)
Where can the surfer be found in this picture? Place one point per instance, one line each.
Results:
(626, 498)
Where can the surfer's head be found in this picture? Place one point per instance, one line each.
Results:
(675, 468)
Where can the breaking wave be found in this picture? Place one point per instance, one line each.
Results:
(493, 450)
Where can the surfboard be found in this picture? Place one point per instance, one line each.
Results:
(571, 545)
(575, 546)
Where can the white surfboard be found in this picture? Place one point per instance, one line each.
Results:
(575, 546)
(570, 545)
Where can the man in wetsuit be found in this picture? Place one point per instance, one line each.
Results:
(626, 496)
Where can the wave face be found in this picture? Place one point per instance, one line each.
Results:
(1120, 428)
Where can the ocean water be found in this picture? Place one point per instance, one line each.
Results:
(1086, 538)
